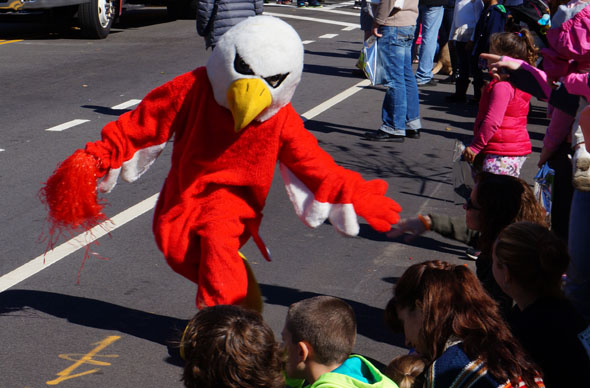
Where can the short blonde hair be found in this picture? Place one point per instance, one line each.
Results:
(406, 371)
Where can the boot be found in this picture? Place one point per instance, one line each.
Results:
(460, 91)
(445, 60)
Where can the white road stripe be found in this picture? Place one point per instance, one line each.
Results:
(126, 105)
(326, 21)
(64, 126)
(348, 28)
(307, 41)
(2, 150)
(328, 36)
(324, 106)
(45, 260)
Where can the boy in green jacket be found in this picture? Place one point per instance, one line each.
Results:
(318, 337)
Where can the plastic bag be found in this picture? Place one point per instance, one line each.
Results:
(369, 60)
(544, 187)
(462, 172)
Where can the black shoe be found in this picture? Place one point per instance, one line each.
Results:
(412, 134)
(456, 98)
(383, 136)
(432, 82)
(449, 80)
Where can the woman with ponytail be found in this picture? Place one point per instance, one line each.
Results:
(528, 263)
(500, 132)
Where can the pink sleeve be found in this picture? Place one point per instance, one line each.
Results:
(558, 130)
(500, 95)
(577, 83)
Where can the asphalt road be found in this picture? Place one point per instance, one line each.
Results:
(112, 320)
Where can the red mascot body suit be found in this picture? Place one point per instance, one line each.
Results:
(230, 122)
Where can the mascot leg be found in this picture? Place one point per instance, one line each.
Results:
(254, 296)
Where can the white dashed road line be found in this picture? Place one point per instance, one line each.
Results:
(126, 105)
(328, 36)
(307, 41)
(64, 126)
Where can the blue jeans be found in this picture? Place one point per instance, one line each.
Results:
(401, 107)
(431, 19)
(577, 286)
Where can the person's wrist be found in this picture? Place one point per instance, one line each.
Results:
(426, 220)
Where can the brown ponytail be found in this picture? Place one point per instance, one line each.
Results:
(518, 45)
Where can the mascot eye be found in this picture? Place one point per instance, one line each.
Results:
(276, 80)
(242, 67)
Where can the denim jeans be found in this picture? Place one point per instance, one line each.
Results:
(401, 107)
(431, 19)
(577, 286)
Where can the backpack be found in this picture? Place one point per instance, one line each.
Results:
(533, 13)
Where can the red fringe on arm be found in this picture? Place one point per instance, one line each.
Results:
(70, 195)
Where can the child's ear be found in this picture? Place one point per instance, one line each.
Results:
(304, 350)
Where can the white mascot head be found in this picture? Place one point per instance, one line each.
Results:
(255, 68)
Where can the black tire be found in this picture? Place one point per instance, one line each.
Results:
(96, 18)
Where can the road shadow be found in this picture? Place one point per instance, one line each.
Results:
(94, 313)
(370, 320)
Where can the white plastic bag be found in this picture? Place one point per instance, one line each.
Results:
(370, 61)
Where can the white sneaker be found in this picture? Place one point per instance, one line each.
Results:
(581, 165)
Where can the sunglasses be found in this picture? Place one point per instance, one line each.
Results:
(469, 205)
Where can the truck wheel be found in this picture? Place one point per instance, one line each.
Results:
(96, 18)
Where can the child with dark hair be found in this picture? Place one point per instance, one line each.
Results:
(500, 132)
(318, 337)
(451, 321)
(529, 261)
(407, 371)
(228, 346)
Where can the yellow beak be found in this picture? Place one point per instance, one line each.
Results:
(247, 97)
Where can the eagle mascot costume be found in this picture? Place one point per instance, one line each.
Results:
(230, 121)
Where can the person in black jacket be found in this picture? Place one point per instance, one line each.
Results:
(215, 17)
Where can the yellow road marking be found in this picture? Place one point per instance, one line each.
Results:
(86, 359)
(10, 41)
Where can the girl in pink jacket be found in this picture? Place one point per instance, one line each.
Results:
(500, 132)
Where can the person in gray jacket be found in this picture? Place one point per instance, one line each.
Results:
(215, 17)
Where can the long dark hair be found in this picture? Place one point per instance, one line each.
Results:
(455, 305)
(504, 199)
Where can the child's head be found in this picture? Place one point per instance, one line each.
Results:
(321, 330)
(530, 256)
(406, 371)
(518, 45)
(230, 346)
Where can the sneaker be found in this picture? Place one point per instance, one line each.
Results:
(472, 253)
(412, 134)
(581, 165)
(432, 82)
(314, 4)
(301, 4)
(383, 136)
